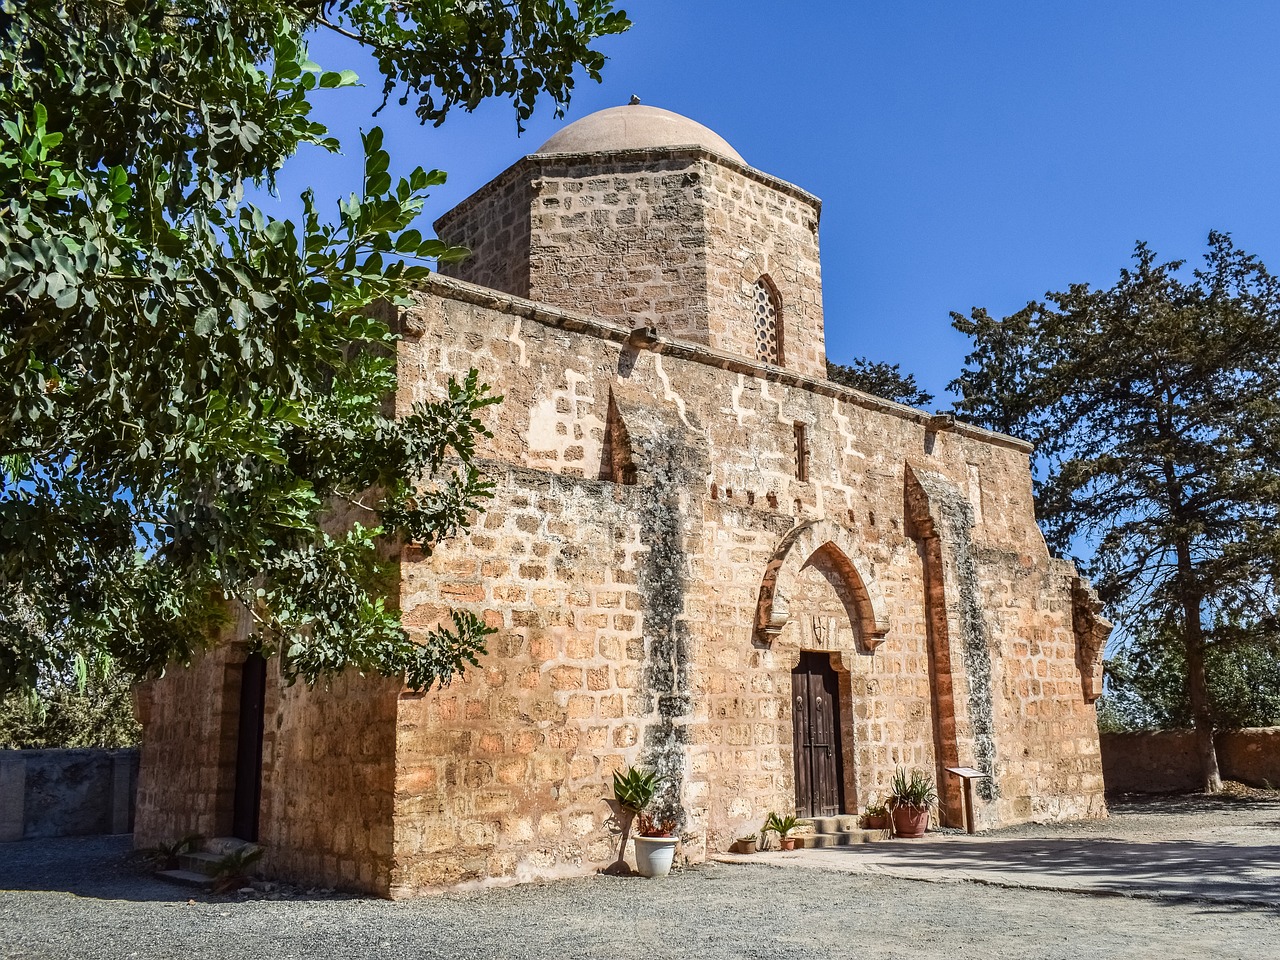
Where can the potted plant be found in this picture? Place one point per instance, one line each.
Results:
(909, 801)
(656, 846)
(747, 844)
(875, 816)
(782, 826)
(634, 790)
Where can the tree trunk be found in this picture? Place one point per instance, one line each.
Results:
(1200, 709)
(1197, 688)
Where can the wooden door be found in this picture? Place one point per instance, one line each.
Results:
(815, 716)
(248, 797)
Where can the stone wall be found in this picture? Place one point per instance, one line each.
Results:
(61, 793)
(1251, 756)
(645, 623)
(623, 237)
(494, 225)
(760, 227)
(502, 773)
(1045, 728)
(186, 780)
(1167, 762)
(328, 763)
(328, 782)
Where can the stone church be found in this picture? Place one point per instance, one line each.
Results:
(702, 556)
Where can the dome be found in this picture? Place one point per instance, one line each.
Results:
(636, 127)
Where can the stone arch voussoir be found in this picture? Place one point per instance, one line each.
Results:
(794, 550)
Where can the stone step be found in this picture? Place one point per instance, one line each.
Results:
(821, 840)
(199, 861)
(221, 846)
(832, 824)
(864, 836)
(840, 838)
(186, 878)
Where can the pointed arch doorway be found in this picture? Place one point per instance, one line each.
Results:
(818, 753)
(816, 605)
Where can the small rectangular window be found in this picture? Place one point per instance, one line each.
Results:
(975, 492)
(802, 453)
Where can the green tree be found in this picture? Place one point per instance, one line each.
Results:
(1155, 408)
(879, 379)
(187, 385)
(1147, 684)
(91, 707)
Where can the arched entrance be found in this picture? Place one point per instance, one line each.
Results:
(820, 617)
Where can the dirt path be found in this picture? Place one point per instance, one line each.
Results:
(1227, 819)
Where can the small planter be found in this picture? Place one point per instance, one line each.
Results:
(782, 826)
(910, 822)
(747, 845)
(654, 855)
(877, 822)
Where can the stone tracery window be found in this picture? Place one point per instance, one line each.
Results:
(768, 316)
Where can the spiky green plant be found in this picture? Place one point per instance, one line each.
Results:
(780, 825)
(235, 869)
(164, 856)
(914, 791)
(634, 788)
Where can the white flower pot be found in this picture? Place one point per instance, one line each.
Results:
(654, 855)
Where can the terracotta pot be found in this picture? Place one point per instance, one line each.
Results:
(788, 843)
(875, 823)
(746, 846)
(910, 822)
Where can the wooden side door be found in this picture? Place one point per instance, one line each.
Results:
(815, 717)
(248, 795)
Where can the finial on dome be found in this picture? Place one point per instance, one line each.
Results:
(633, 101)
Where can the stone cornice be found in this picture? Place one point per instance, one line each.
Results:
(645, 338)
(527, 167)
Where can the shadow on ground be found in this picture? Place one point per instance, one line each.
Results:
(99, 867)
(1225, 851)
(1157, 869)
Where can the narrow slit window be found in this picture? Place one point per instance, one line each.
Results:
(616, 464)
(768, 318)
(802, 453)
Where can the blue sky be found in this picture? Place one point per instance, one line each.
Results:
(966, 153)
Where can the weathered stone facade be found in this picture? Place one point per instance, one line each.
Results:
(675, 522)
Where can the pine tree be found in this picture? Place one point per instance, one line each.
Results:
(1155, 408)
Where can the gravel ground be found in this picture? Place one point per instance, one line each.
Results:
(88, 898)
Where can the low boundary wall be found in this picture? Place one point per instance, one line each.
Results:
(1165, 761)
(59, 793)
